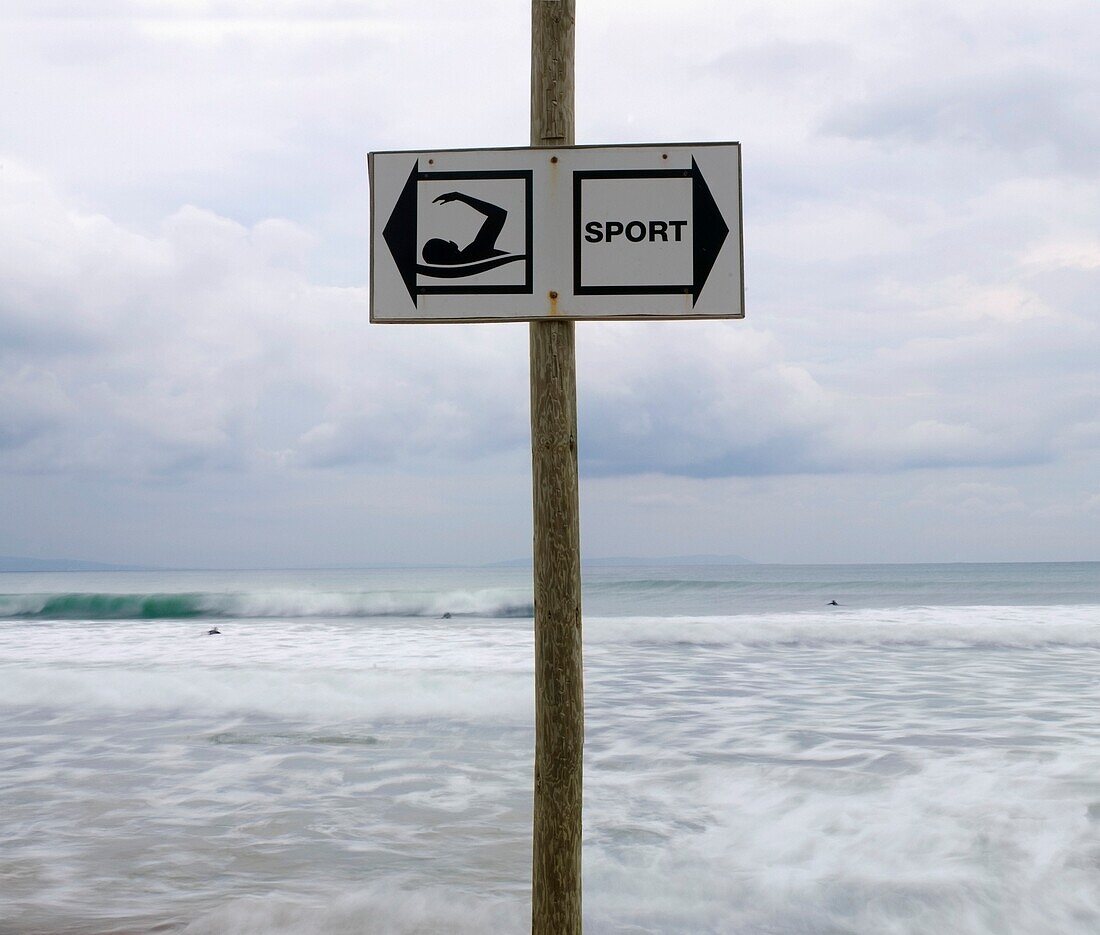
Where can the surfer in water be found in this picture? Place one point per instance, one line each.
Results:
(446, 258)
(832, 604)
(213, 631)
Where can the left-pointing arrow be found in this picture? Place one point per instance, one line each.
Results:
(400, 233)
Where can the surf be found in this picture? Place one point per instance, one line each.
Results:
(491, 603)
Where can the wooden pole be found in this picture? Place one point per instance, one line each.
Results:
(559, 685)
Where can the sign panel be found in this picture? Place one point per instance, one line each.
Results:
(614, 232)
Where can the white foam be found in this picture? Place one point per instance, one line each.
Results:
(987, 626)
(390, 909)
(967, 845)
(331, 696)
(485, 602)
(867, 772)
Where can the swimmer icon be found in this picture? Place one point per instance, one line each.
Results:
(444, 258)
(428, 232)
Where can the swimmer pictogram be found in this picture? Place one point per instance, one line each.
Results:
(444, 258)
(419, 233)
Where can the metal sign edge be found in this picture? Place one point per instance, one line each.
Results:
(636, 316)
(545, 149)
(370, 248)
(657, 316)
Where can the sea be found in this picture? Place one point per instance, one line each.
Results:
(923, 757)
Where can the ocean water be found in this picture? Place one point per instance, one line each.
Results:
(923, 758)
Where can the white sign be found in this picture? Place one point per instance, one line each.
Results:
(582, 232)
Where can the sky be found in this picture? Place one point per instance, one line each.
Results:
(188, 377)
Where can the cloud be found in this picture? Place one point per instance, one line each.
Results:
(910, 305)
(204, 346)
(701, 400)
(31, 404)
(250, 110)
(974, 498)
(183, 227)
(1039, 113)
(1083, 254)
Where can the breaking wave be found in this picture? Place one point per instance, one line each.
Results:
(492, 603)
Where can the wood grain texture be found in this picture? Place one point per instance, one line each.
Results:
(559, 679)
(552, 52)
(559, 685)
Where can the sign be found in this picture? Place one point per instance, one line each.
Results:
(614, 232)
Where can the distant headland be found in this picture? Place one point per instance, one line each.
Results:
(13, 563)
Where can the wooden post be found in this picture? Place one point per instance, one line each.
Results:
(559, 685)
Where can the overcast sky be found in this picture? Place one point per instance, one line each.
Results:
(188, 377)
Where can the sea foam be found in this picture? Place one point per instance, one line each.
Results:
(909, 769)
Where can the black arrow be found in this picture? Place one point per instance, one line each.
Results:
(400, 233)
(710, 231)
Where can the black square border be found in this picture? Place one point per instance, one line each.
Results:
(528, 285)
(582, 175)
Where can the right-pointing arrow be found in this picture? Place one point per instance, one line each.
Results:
(710, 231)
